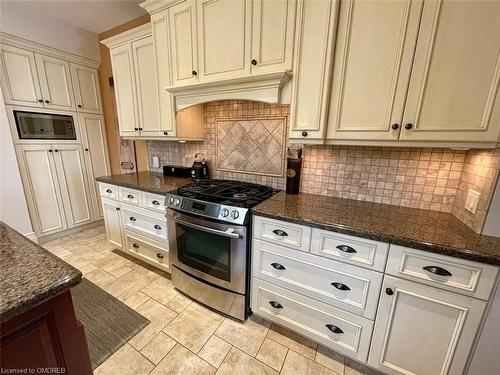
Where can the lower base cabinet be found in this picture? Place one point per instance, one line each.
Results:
(112, 220)
(146, 250)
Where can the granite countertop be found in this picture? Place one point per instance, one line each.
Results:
(433, 231)
(29, 274)
(152, 182)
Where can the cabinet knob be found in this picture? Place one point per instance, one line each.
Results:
(47, 101)
(409, 126)
(108, 191)
(159, 256)
(346, 249)
(395, 126)
(334, 329)
(389, 291)
(79, 106)
(155, 202)
(157, 227)
(40, 100)
(165, 133)
(340, 286)
(50, 150)
(254, 62)
(131, 218)
(276, 305)
(136, 129)
(304, 134)
(135, 245)
(86, 149)
(194, 72)
(56, 150)
(140, 128)
(278, 266)
(130, 196)
(117, 208)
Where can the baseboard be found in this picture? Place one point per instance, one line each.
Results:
(64, 233)
(32, 236)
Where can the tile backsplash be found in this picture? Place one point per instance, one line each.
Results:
(427, 178)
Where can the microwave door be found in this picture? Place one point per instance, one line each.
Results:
(31, 125)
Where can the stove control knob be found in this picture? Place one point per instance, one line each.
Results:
(224, 212)
(177, 202)
(171, 200)
(235, 214)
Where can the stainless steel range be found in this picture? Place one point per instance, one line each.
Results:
(208, 229)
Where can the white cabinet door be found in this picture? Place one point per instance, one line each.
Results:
(96, 155)
(86, 87)
(369, 83)
(146, 87)
(73, 183)
(41, 185)
(453, 93)
(112, 222)
(19, 77)
(223, 30)
(423, 330)
(182, 24)
(55, 82)
(273, 28)
(124, 85)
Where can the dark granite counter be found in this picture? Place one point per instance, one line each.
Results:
(147, 181)
(29, 274)
(433, 231)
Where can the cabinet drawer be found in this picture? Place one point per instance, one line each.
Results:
(147, 251)
(348, 287)
(349, 249)
(458, 275)
(130, 196)
(108, 191)
(283, 233)
(348, 333)
(153, 202)
(145, 223)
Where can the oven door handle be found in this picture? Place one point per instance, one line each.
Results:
(206, 229)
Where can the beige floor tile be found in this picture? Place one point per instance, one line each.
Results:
(293, 341)
(127, 285)
(182, 362)
(147, 269)
(214, 351)
(99, 277)
(88, 268)
(136, 300)
(193, 327)
(111, 261)
(272, 354)
(125, 361)
(158, 347)
(101, 244)
(246, 336)
(161, 289)
(120, 270)
(178, 303)
(237, 362)
(60, 251)
(80, 260)
(355, 368)
(297, 364)
(328, 358)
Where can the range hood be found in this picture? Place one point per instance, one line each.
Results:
(262, 88)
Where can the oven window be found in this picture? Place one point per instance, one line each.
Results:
(206, 252)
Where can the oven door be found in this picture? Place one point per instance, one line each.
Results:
(212, 251)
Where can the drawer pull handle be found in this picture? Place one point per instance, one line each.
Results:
(276, 305)
(130, 196)
(159, 256)
(437, 270)
(131, 218)
(108, 191)
(334, 329)
(341, 286)
(135, 245)
(346, 249)
(157, 227)
(156, 203)
(278, 266)
(280, 233)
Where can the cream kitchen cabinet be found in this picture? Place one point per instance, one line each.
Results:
(86, 88)
(112, 221)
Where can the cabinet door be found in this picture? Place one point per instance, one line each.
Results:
(86, 86)
(148, 115)
(312, 69)
(73, 183)
(453, 93)
(38, 171)
(55, 82)
(273, 29)
(369, 84)
(124, 84)
(422, 330)
(96, 155)
(19, 77)
(183, 43)
(112, 222)
(223, 39)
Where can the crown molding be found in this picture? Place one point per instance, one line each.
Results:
(154, 6)
(128, 36)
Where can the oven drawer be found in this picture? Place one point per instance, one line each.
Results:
(147, 251)
(348, 287)
(145, 223)
(334, 328)
(283, 233)
(129, 196)
(153, 202)
(108, 191)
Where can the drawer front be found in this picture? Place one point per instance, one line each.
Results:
(454, 274)
(349, 249)
(129, 196)
(348, 287)
(154, 227)
(147, 251)
(283, 233)
(153, 202)
(108, 191)
(339, 330)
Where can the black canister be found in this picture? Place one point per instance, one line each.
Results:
(293, 168)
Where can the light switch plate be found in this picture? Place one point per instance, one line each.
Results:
(472, 201)
(156, 162)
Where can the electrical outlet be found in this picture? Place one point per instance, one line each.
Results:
(472, 201)
(156, 162)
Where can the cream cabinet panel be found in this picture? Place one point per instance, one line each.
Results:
(183, 43)
(369, 84)
(19, 77)
(55, 82)
(273, 28)
(312, 69)
(423, 330)
(86, 87)
(224, 38)
(453, 93)
(112, 221)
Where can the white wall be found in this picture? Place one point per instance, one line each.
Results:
(19, 19)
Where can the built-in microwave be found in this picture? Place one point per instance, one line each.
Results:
(33, 125)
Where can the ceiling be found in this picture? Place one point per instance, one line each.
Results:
(92, 15)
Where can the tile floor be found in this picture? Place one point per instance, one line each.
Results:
(183, 336)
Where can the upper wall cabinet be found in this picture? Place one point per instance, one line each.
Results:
(86, 88)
